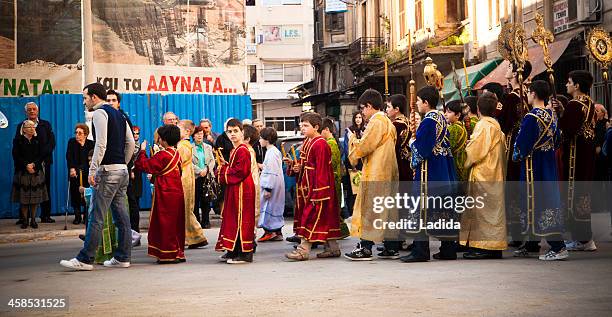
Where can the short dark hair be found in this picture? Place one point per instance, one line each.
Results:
(112, 92)
(96, 89)
(472, 102)
(540, 88)
(233, 122)
(455, 106)
(313, 118)
(400, 102)
(526, 69)
(429, 94)
(487, 103)
(495, 88)
(251, 133)
(372, 97)
(197, 129)
(269, 134)
(329, 124)
(169, 133)
(563, 100)
(583, 78)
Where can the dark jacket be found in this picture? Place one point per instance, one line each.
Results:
(28, 151)
(76, 156)
(226, 144)
(45, 136)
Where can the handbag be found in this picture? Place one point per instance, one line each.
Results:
(212, 190)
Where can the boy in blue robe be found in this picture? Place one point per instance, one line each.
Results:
(535, 146)
(434, 176)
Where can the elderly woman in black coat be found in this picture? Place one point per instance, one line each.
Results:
(78, 170)
(29, 189)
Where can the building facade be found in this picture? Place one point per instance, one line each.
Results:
(279, 57)
(353, 42)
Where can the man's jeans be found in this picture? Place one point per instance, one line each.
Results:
(110, 192)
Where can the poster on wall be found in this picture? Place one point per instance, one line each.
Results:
(40, 47)
(282, 34)
(170, 46)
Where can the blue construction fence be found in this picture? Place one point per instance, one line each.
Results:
(65, 111)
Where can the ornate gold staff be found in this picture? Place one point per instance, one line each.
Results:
(433, 76)
(512, 46)
(412, 89)
(600, 46)
(544, 37)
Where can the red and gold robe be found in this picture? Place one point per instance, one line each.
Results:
(238, 212)
(300, 194)
(167, 220)
(318, 220)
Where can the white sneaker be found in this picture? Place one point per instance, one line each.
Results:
(590, 246)
(76, 265)
(555, 256)
(114, 263)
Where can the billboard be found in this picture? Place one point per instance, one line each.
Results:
(170, 46)
(40, 47)
(162, 46)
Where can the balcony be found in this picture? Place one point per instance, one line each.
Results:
(367, 50)
(366, 53)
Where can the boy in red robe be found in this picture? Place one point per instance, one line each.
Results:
(167, 225)
(237, 232)
(318, 220)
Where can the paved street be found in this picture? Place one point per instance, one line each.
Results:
(332, 287)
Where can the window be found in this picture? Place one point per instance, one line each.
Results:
(402, 19)
(418, 14)
(334, 22)
(282, 124)
(250, 3)
(273, 73)
(294, 73)
(252, 34)
(252, 73)
(283, 73)
(572, 10)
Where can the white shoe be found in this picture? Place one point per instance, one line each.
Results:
(590, 246)
(76, 265)
(555, 256)
(114, 263)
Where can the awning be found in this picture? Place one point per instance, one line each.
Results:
(536, 58)
(475, 74)
(316, 99)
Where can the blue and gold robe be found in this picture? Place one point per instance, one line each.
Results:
(435, 174)
(535, 146)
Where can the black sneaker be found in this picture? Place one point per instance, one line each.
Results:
(241, 259)
(389, 254)
(19, 222)
(359, 254)
(47, 220)
(82, 237)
